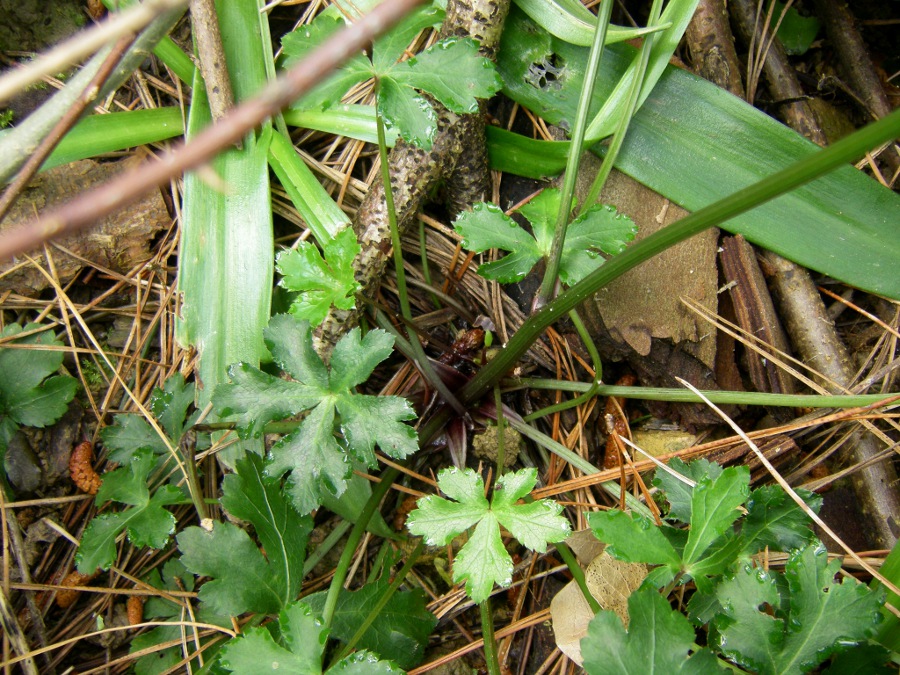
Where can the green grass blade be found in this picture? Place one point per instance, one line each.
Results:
(353, 121)
(314, 204)
(573, 22)
(99, 134)
(226, 263)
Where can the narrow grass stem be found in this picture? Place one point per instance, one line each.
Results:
(551, 274)
(672, 395)
(501, 433)
(577, 574)
(634, 94)
(491, 657)
(356, 534)
(821, 162)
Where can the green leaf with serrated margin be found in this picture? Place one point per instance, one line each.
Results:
(391, 46)
(453, 72)
(483, 560)
(599, 229)
(658, 641)
(714, 507)
(633, 538)
(400, 630)
(408, 112)
(486, 227)
(678, 493)
(147, 523)
(170, 405)
(128, 434)
(250, 495)
(320, 279)
(775, 520)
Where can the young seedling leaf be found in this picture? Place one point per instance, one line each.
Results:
(483, 560)
(598, 230)
(320, 279)
(243, 580)
(316, 460)
(658, 641)
(297, 650)
(399, 632)
(814, 616)
(146, 522)
(30, 394)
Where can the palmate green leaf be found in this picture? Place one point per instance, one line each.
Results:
(453, 72)
(129, 434)
(814, 616)
(170, 405)
(298, 649)
(317, 462)
(483, 560)
(147, 523)
(633, 538)
(598, 229)
(407, 113)
(658, 641)
(28, 393)
(321, 279)
(398, 633)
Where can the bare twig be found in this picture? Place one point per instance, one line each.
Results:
(86, 209)
(88, 96)
(212, 58)
(132, 20)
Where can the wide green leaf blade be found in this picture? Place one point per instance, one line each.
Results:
(695, 144)
(483, 561)
(241, 578)
(257, 652)
(407, 112)
(714, 507)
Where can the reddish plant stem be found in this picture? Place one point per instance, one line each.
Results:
(92, 206)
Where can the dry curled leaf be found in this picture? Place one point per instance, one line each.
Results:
(135, 609)
(81, 468)
(610, 581)
(67, 596)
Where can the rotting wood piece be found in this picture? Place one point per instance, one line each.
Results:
(459, 155)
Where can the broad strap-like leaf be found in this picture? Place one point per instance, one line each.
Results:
(320, 279)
